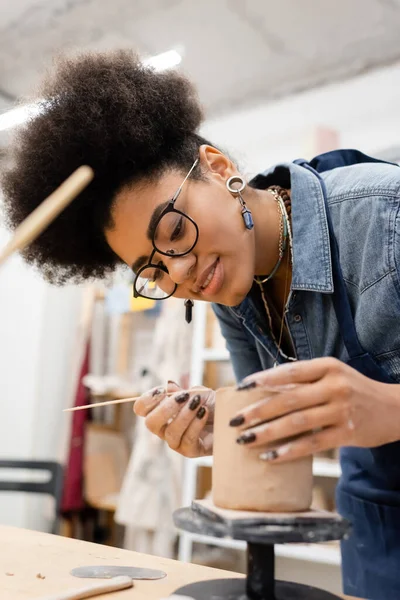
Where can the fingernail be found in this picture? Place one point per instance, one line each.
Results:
(181, 398)
(270, 455)
(246, 386)
(170, 382)
(194, 403)
(246, 438)
(236, 421)
(158, 391)
(201, 412)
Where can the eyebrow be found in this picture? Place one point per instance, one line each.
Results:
(154, 218)
(139, 262)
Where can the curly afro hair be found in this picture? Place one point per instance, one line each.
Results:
(125, 120)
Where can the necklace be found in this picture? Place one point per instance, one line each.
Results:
(283, 201)
(283, 234)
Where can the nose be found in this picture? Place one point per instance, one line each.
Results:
(180, 268)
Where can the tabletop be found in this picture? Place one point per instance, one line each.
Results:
(35, 564)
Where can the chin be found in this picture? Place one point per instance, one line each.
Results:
(235, 297)
(234, 300)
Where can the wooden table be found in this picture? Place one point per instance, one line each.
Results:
(25, 555)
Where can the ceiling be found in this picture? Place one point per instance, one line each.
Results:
(238, 52)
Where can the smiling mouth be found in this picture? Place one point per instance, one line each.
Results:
(214, 281)
(207, 281)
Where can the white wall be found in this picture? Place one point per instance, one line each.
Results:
(37, 326)
(21, 302)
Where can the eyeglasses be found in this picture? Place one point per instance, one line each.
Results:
(175, 234)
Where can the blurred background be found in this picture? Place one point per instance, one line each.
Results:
(279, 80)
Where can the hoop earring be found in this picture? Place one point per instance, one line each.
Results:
(188, 310)
(237, 192)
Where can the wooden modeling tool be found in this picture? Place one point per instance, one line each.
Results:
(111, 585)
(106, 403)
(47, 211)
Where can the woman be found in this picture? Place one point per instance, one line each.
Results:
(302, 265)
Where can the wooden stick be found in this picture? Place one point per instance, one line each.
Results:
(47, 211)
(107, 403)
(112, 585)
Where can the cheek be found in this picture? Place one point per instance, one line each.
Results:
(220, 227)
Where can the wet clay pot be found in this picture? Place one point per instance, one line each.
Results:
(241, 481)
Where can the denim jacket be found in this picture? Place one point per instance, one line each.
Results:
(364, 204)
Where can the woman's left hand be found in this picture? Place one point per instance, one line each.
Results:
(321, 403)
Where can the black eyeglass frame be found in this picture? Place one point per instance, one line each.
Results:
(168, 209)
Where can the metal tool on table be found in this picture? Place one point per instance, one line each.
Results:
(97, 589)
(106, 572)
(261, 532)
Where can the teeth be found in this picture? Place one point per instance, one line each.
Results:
(207, 281)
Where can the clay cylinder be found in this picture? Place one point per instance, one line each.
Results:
(241, 481)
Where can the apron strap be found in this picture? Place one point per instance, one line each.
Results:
(340, 298)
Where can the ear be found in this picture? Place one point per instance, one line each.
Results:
(214, 162)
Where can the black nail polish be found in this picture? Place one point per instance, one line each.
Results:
(158, 391)
(246, 386)
(246, 438)
(201, 412)
(194, 403)
(181, 398)
(270, 455)
(235, 422)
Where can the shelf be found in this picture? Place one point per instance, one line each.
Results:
(322, 467)
(203, 461)
(322, 553)
(326, 467)
(215, 354)
(213, 541)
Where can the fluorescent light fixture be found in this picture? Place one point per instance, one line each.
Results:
(163, 61)
(18, 115)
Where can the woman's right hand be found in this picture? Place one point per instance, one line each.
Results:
(185, 419)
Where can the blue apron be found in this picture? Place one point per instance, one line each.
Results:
(368, 493)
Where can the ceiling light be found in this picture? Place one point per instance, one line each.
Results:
(164, 61)
(18, 115)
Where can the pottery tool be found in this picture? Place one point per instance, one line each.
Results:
(114, 585)
(107, 403)
(47, 211)
(275, 390)
(107, 572)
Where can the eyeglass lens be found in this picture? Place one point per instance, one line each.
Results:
(175, 235)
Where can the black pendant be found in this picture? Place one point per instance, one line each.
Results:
(188, 310)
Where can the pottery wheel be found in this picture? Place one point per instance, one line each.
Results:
(261, 532)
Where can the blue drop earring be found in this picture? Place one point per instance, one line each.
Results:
(237, 192)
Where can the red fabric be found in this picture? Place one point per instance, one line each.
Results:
(72, 499)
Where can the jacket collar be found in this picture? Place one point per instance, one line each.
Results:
(312, 263)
